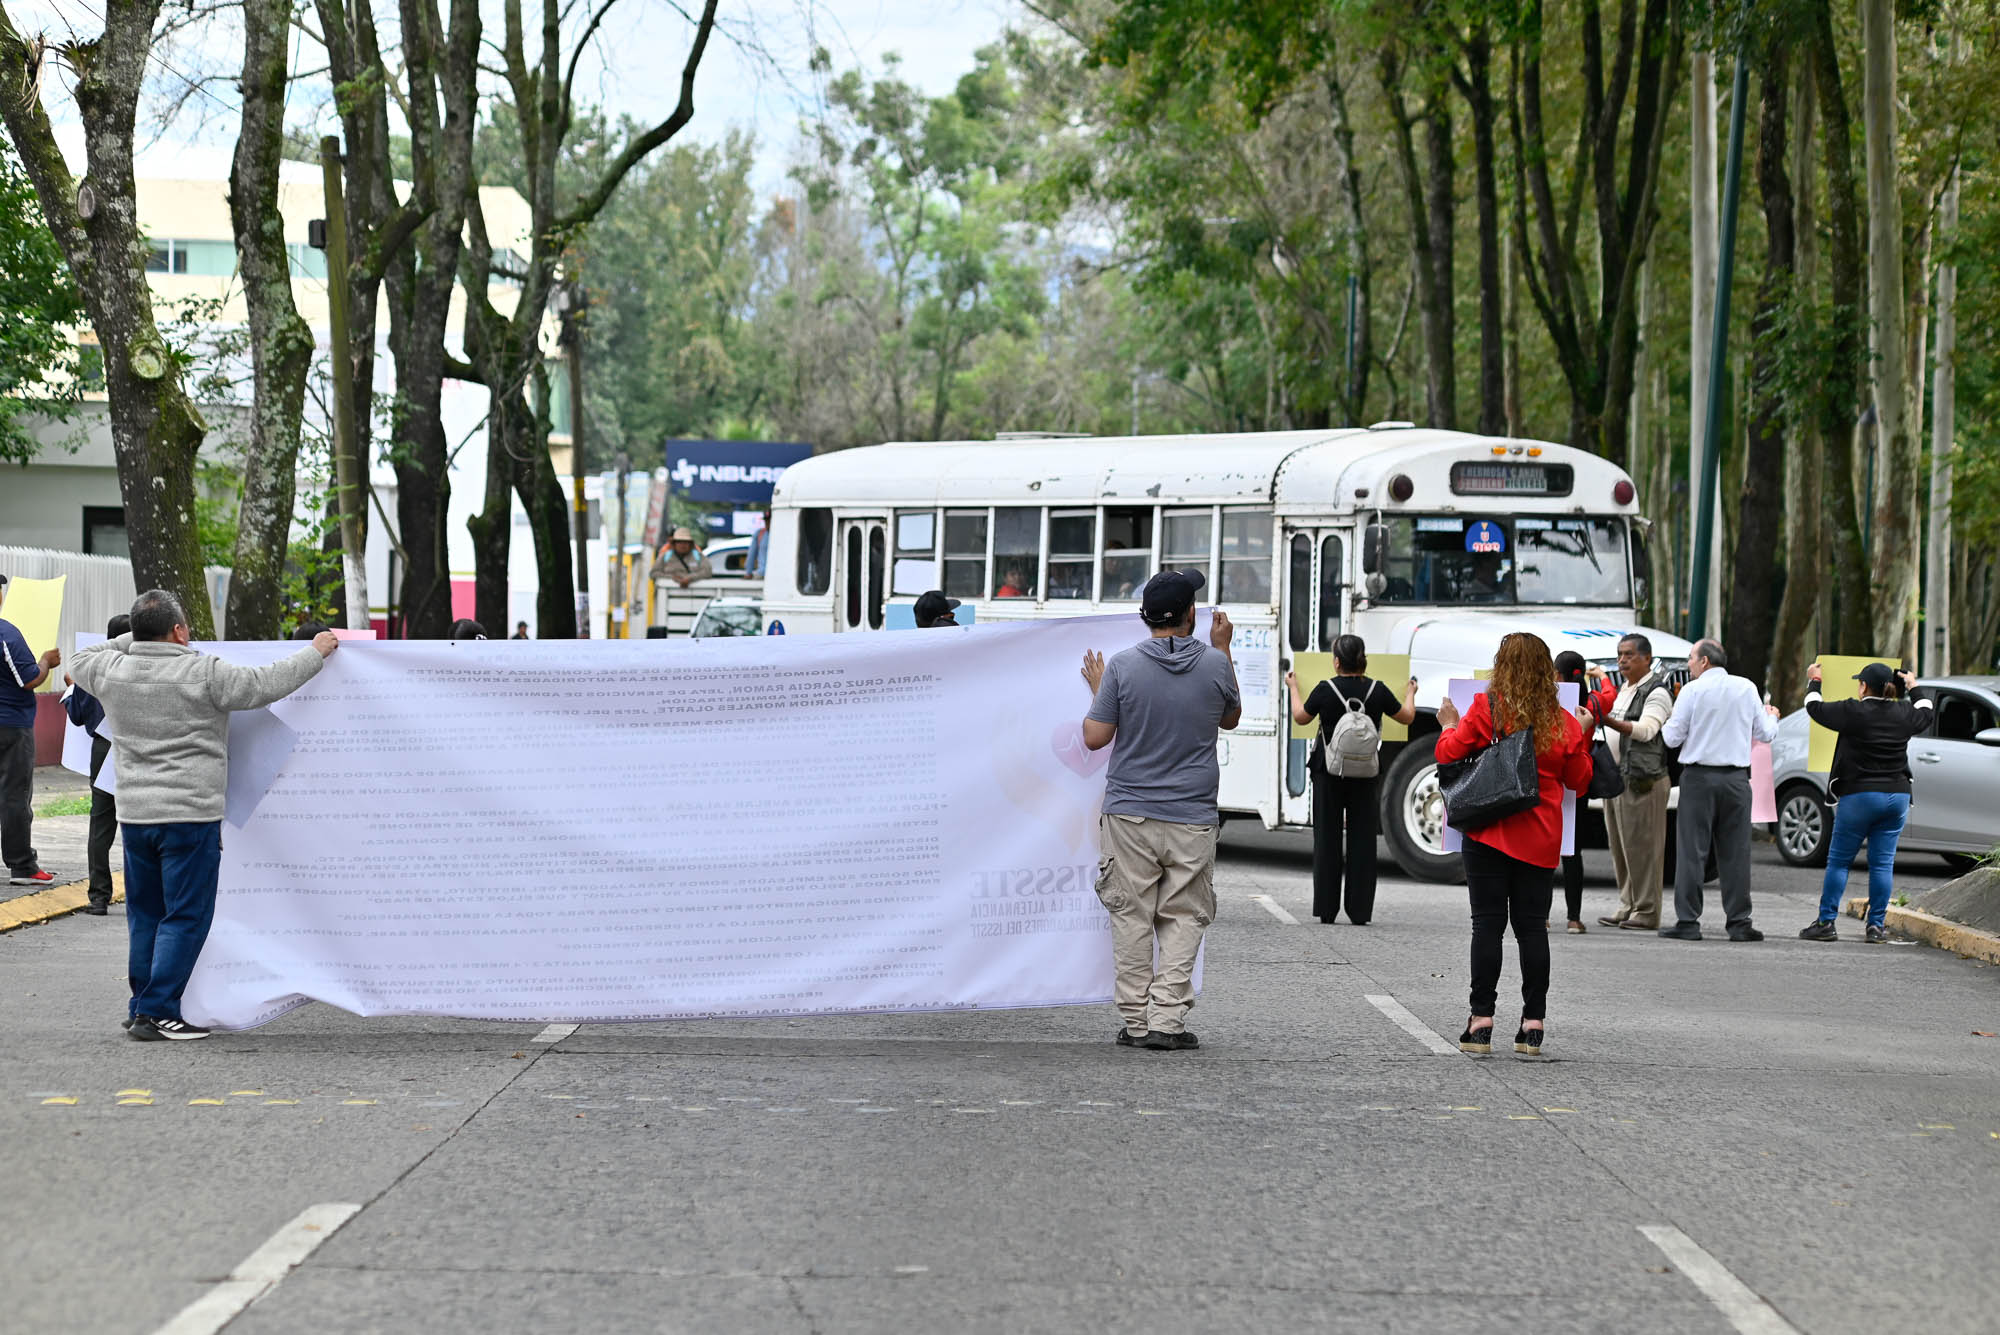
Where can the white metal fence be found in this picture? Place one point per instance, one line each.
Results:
(98, 588)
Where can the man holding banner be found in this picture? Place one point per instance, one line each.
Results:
(1713, 724)
(1164, 700)
(24, 672)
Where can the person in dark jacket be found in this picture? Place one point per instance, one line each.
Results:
(1870, 784)
(88, 714)
(1346, 805)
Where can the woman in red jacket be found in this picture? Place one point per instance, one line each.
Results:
(1510, 865)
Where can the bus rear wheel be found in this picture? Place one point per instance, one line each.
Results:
(1413, 815)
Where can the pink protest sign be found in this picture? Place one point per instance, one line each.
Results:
(1763, 792)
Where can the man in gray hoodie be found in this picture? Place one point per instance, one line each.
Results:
(1164, 700)
(169, 709)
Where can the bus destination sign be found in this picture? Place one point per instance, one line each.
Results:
(1500, 478)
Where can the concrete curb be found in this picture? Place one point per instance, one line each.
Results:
(1965, 942)
(56, 902)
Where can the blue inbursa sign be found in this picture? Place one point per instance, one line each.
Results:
(740, 472)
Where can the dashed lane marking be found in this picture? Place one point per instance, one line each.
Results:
(1400, 1016)
(1275, 909)
(260, 1271)
(555, 1033)
(1737, 1302)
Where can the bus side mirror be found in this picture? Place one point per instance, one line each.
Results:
(1374, 544)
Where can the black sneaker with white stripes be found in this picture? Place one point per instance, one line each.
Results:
(178, 1030)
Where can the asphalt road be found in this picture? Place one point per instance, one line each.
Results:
(1820, 1121)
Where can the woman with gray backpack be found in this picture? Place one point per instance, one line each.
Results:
(1344, 763)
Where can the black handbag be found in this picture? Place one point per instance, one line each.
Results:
(1605, 780)
(1498, 782)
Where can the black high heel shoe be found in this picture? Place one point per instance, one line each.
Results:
(1476, 1040)
(1528, 1041)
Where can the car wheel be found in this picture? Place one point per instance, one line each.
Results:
(1413, 815)
(1805, 826)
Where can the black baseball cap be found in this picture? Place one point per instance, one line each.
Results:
(930, 606)
(1875, 676)
(1169, 595)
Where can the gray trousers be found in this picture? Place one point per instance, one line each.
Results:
(1714, 814)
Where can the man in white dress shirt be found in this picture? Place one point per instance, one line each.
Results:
(1713, 724)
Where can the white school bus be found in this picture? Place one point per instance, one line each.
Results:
(1428, 543)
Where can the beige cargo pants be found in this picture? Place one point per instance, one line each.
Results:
(1637, 829)
(1157, 880)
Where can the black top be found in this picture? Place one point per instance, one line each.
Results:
(1873, 754)
(1328, 700)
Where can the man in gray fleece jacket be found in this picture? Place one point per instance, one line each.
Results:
(169, 709)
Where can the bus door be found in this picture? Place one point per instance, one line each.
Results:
(1314, 616)
(863, 567)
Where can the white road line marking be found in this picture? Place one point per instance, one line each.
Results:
(1275, 909)
(1399, 1014)
(260, 1271)
(1744, 1310)
(555, 1033)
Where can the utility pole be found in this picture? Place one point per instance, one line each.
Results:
(569, 305)
(1711, 454)
(349, 481)
(1702, 241)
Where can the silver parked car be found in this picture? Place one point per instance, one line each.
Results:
(1955, 788)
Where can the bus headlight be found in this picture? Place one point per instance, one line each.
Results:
(1401, 488)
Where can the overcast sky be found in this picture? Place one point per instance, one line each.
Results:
(754, 76)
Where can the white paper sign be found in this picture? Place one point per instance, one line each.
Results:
(795, 825)
(1461, 691)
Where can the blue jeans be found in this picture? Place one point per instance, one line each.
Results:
(170, 875)
(1878, 818)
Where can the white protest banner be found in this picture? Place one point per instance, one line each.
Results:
(630, 830)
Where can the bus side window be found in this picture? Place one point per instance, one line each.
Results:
(1332, 578)
(815, 565)
(1128, 552)
(1246, 557)
(1298, 616)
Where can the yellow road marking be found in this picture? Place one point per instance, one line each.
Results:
(135, 1093)
(246, 1093)
(212, 1103)
(1568, 1110)
(1524, 1117)
(273, 1103)
(56, 902)
(356, 1102)
(135, 1103)
(61, 1098)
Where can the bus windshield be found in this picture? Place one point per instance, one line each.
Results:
(1506, 560)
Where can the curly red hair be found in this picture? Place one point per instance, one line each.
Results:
(1524, 690)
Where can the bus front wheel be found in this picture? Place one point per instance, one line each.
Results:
(1413, 815)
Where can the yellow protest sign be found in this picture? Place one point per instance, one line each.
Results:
(35, 608)
(1392, 670)
(1837, 683)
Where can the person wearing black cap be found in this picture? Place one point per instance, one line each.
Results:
(934, 609)
(1870, 784)
(1164, 700)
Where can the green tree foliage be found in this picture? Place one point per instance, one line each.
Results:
(39, 313)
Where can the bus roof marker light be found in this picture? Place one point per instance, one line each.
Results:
(1621, 492)
(1534, 451)
(1401, 487)
(1498, 449)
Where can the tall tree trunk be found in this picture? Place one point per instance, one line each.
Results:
(1347, 170)
(1752, 607)
(281, 343)
(1937, 655)
(1805, 556)
(1434, 307)
(1441, 323)
(1478, 89)
(442, 69)
(155, 428)
(1896, 538)
(1841, 400)
(1703, 250)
